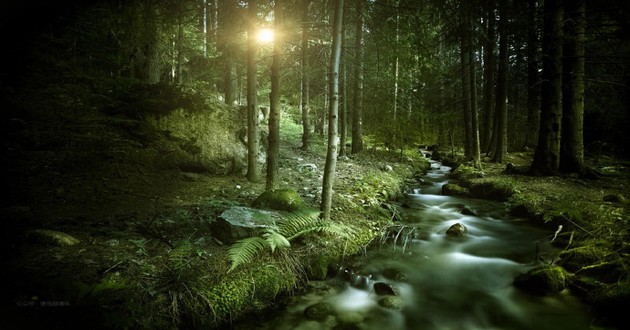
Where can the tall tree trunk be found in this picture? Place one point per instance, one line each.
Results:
(547, 156)
(274, 101)
(474, 116)
(252, 94)
(180, 52)
(343, 100)
(489, 76)
(333, 138)
(357, 111)
(304, 68)
(572, 145)
(500, 151)
(151, 54)
(533, 86)
(226, 45)
(394, 128)
(465, 73)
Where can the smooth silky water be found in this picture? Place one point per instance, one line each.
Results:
(445, 282)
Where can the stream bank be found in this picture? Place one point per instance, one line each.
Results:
(588, 221)
(150, 260)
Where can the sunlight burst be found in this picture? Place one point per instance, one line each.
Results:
(265, 36)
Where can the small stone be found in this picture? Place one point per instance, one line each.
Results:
(457, 230)
(384, 289)
(467, 211)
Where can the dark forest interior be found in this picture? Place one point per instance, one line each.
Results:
(212, 164)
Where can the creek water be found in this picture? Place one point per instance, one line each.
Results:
(442, 282)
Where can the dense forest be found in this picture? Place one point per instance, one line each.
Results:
(133, 124)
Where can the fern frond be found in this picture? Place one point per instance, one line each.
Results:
(291, 224)
(180, 255)
(275, 239)
(305, 222)
(245, 250)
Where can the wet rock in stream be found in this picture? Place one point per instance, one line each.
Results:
(319, 311)
(457, 230)
(384, 289)
(543, 280)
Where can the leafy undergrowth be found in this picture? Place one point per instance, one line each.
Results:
(147, 257)
(588, 220)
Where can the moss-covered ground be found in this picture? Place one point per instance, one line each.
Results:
(588, 220)
(146, 256)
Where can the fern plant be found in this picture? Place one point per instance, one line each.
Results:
(278, 236)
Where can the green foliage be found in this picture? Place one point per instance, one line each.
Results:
(286, 229)
(245, 250)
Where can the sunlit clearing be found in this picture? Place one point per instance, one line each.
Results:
(265, 36)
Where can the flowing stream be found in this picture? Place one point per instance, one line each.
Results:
(441, 282)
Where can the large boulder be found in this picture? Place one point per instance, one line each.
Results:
(544, 280)
(280, 199)
(241, 222)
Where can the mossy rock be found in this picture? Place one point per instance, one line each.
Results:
(491, 189)
(319, 312)
(544, 280)
(464, 172)
(392, 302)
(457, 230)
(576, 258)
(451, 189)
(51, 237)
(280, 199)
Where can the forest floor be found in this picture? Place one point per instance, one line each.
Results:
(132, 225)
(146, 256)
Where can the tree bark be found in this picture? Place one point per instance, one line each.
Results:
(333, 138)
(252, 103)
(273, 147)
(474, 117)
(357, 111)
(489, 76)
(465, 73)
(343, 100)
(533, 86)
(547, 156)
(500, 151)
(304, 67)
(572, 144)
(226, 46)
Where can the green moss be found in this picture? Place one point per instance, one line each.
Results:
(451, 189)
(544, 280)
(576, 258)
(466, 173)
(280, 199)
(492, 188)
